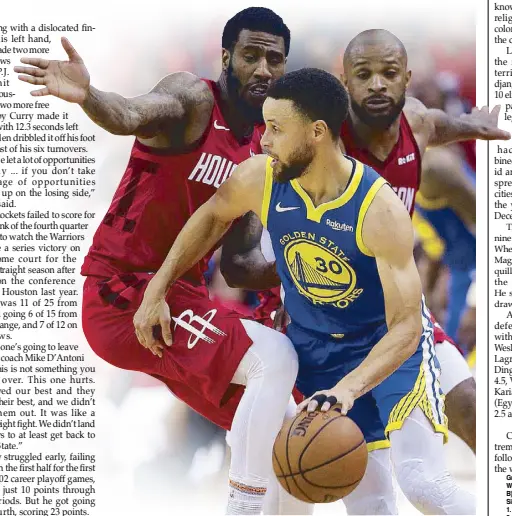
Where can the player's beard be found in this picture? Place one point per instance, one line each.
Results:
(378, 121)
(251, 114)
(299, 161)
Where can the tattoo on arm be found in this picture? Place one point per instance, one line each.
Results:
(146, 116)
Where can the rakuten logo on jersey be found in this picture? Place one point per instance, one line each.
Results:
(406, 195)
(337, 226)
(212, 170)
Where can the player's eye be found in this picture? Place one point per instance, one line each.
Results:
(250, 58)
(275, 61)
(390, 74)
(363, 75)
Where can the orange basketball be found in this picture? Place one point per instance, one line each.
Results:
(320, 457)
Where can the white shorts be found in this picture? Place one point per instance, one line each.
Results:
(454, 368)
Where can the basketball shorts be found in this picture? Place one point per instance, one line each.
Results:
(385, 408)
(209, 341)
(271, 301)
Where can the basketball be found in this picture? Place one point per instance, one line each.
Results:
(320, 457)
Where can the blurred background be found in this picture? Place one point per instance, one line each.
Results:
(154, 455)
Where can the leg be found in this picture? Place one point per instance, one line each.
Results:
(417, 455)
(212, 350)
(268, 370)
(459, 386)
(460, 405)
(277, 500)
(376, 493)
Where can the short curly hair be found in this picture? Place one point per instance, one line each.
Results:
(258, 19)
(316, 93)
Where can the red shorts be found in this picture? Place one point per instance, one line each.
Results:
(270, 301)
(209, 341)
(440, 336)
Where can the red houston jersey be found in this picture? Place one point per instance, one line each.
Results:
(402, 168)
(158, 193)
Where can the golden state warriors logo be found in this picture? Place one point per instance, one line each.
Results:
(320, 271)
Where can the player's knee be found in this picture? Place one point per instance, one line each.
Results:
(460, 406)
(285, 362)
(276, 354)
(427, 493)
(285, 352)
(461, 401)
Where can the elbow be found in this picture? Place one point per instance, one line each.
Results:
(128, 122)
(119, 131)
(231, 280)
(230, 272)
(122, 130)
(414, 333)
(128, 125)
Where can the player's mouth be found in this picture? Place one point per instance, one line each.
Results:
(378, 103)
(259, 90)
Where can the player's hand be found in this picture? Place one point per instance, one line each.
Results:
(153, 311)
(487, 123)
(281, 318)
(324, 400)
(67, 80)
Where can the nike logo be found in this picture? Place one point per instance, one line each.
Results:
(217, 126)
(280, 208)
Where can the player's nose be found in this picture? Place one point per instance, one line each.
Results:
(262, 71)
(377, 84)
(266, 144)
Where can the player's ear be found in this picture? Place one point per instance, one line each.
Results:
(343, 79)
(320, 130)
(408, 78)
(226, 57)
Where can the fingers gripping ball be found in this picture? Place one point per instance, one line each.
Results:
(320, 457)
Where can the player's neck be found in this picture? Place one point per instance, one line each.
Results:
(379, 142)
(327, 176)
(240, 127)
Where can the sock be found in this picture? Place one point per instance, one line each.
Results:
(245, 499)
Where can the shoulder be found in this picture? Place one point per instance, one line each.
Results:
(187, 87)
(251, 172)
(387, 229)
(422, 126)
(184, 81)
(245, 187)
(414, 110)
(416, 113)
